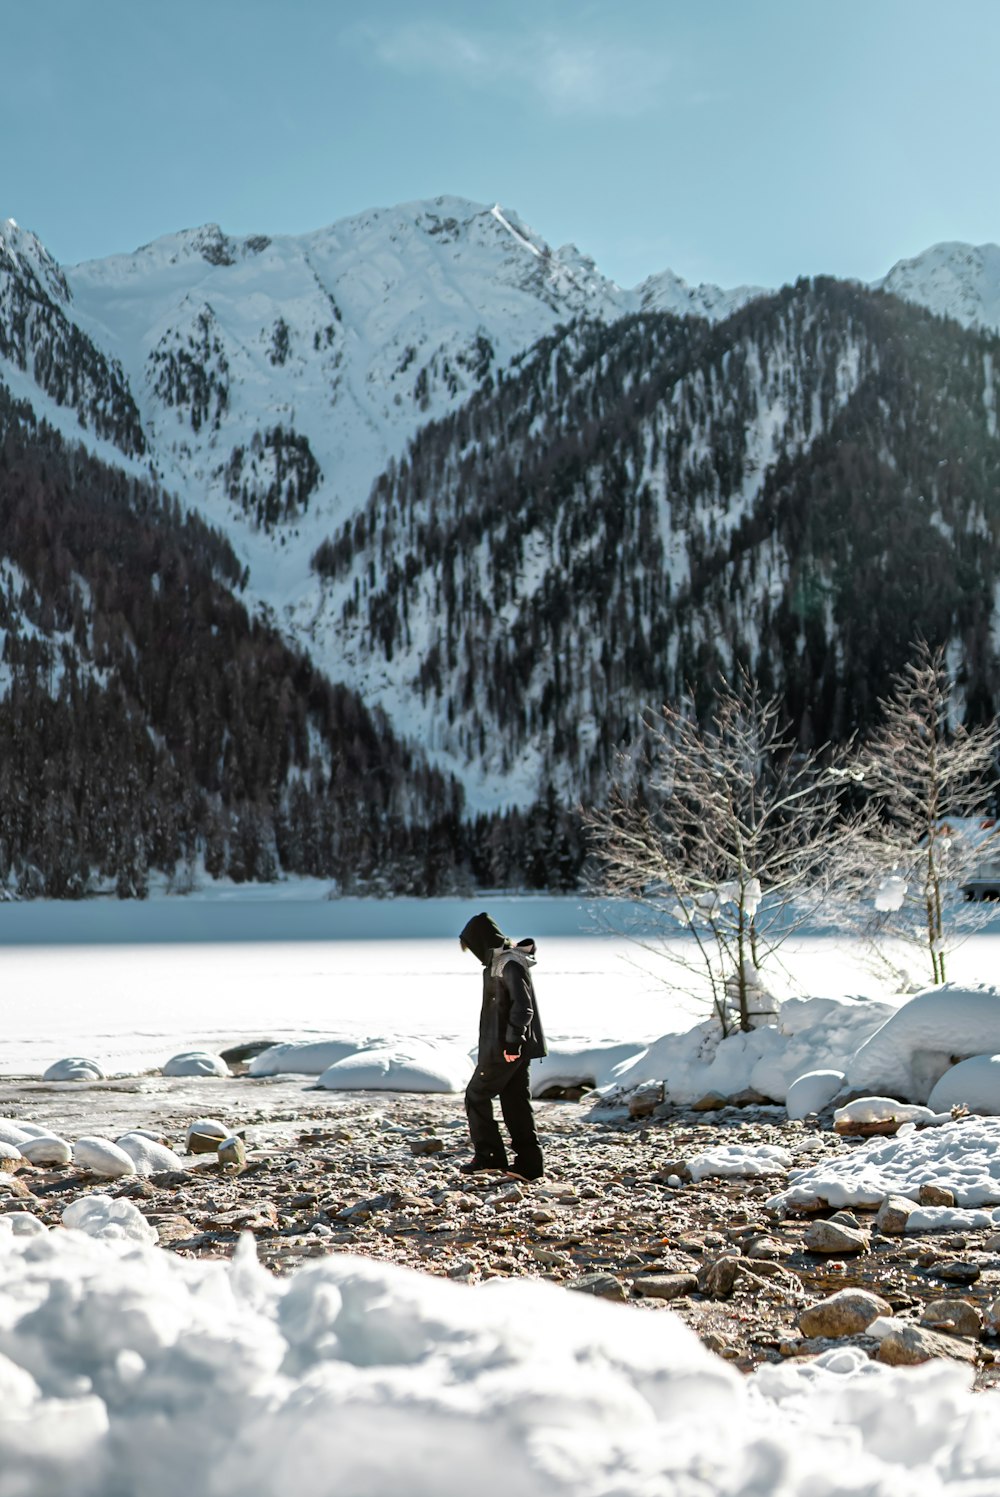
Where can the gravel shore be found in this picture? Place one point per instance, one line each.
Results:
(616, 1215)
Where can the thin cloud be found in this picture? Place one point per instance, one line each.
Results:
(567, 77)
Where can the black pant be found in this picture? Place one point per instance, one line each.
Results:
(507, 1080)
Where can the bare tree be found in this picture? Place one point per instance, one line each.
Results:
(729, 833)
(926, 776)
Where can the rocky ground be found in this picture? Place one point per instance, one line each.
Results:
(616, 1215)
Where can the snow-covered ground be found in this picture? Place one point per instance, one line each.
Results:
(126, 1369)
(131, 985)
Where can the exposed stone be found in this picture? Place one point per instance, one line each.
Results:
(239, 1055)
(957, 1271)
(604, 1285)
(831, 1237)
(549, 1257)
(12, 1187)
(423, 1146)
(665, 1285)
(171, 1228)
(205, 1134)
(710, 1102)
(750, 1097)
(935, 1195)
(847, 1313)
(765, 1247)
(893, 1214)
(717, 1279)
(233, 1153)
(845, 1219)
(644, 1101)
(955, 1316)
(905, 1346)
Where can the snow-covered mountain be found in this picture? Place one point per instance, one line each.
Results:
(270, 381)
(277, 377)
(961, 281)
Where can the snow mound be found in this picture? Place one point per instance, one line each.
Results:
(195, 1063)
(911, 1051)
(99, 1156)
(973, 1083)
(108, 1220)
(306, 1060)
(210, 1127)
(408, 1066)
(148, 1156)
(884, 1110)
(811, 1034)
(21, 1224)
(581, 1065)
(74, 1068)
(127, 1369)
(812, 1092)
(963, 1157)
(739, 1161)
(48, 1149)
(13, 1133)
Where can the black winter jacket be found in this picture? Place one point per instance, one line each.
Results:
(509, 1019)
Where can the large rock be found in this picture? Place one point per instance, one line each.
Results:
(830, 1237)
(604, 1285)
(645, 1100)
(847, 1313)
(717, 1279)
(233, 1153)
(710, 1102)
(666, 1285)
(935, 1195)
(205, 1135)
(905, 1346)
(812, 1092)
(956, 1317)
(893, 1214)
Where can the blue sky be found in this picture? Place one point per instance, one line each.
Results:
(729, 140)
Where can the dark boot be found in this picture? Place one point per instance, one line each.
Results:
(477, 1164)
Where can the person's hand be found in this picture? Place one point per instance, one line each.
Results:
(512, 1055)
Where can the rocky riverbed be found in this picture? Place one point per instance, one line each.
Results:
(617, 1214)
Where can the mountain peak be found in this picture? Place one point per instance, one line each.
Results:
(951, 279)
(28, 255)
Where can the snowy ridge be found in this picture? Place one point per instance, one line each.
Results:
(270, 381)
(24, 251)
(961, 281)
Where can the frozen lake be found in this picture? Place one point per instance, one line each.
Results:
(131, 984)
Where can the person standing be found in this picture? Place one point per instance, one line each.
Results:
(510, 1038)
